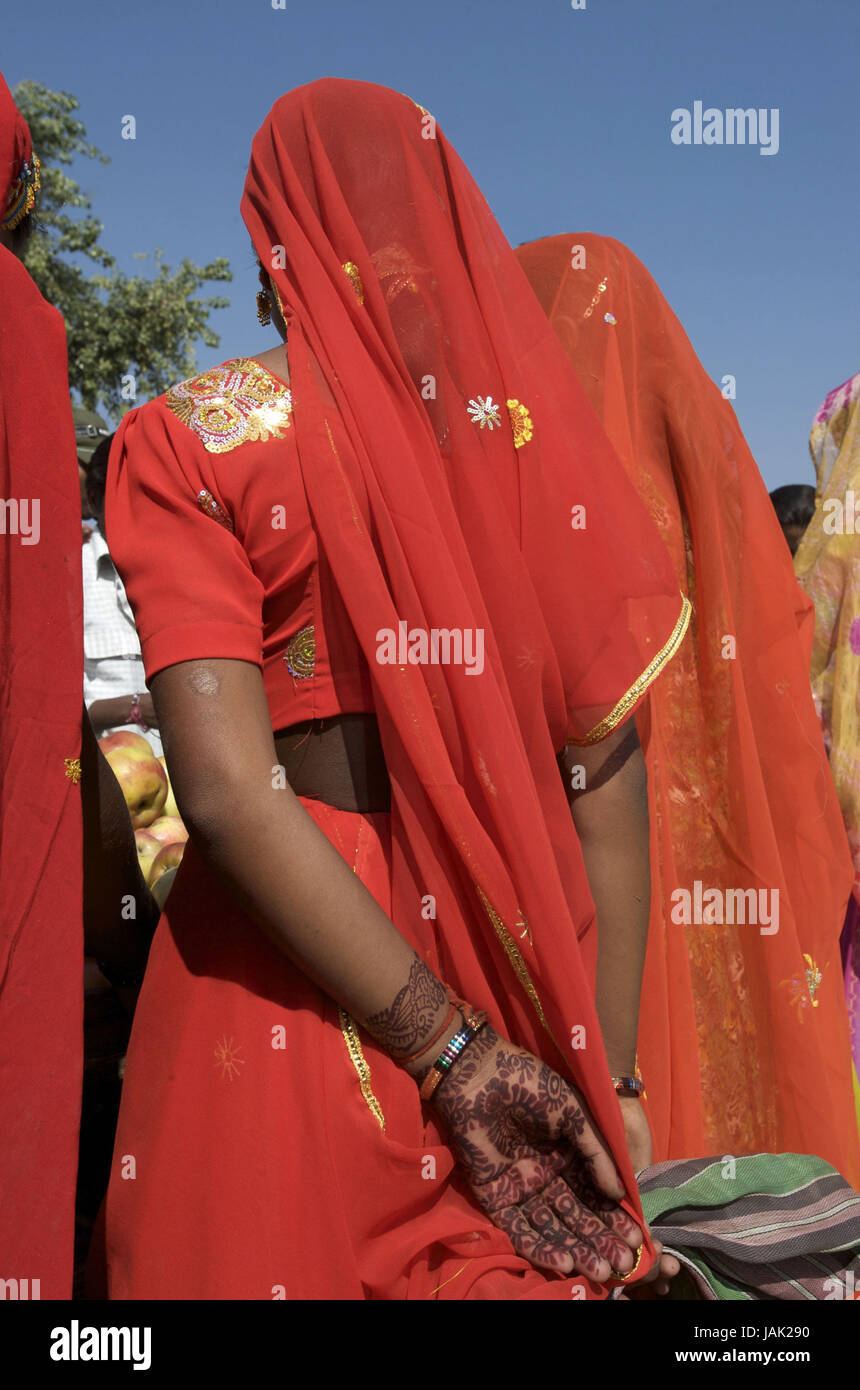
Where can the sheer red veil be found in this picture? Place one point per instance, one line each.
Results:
(459, 479)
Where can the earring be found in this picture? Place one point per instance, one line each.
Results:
(263, 308)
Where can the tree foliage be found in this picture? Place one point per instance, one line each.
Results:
(126, 333)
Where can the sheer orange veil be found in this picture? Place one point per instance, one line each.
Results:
(743, 1038)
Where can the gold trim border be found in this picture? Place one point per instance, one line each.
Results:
(362, 1066)
(512, 951)
(652, 670)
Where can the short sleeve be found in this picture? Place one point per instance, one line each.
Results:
(190, 583)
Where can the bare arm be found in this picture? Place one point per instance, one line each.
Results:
(297, 888)
(611, 818)
(113, 881)
(104, 714)
(280, 866)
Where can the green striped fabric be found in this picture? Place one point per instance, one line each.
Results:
(759, 1226)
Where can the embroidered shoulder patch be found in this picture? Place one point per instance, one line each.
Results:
(236, 403)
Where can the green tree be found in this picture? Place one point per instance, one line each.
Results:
(120, 327)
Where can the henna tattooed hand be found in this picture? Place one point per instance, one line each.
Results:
(535, 1161)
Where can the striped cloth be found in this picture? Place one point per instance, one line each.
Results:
(760, 1226)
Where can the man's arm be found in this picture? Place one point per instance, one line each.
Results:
(112, 877)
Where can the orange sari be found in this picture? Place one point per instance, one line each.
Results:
(743, 1039)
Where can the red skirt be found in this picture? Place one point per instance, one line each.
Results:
(266, 1147)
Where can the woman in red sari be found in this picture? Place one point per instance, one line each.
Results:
(67, 854)
(351, 564)
(743, 1040)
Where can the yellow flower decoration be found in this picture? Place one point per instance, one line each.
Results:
(521, 423)
(73, 769)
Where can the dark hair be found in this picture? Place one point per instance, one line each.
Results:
(794, 504)
(97, 473)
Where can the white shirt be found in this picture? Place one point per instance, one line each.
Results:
(113, 664)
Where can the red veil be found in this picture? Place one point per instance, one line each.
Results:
(41, 703)
(743, 1037)
(446, 446)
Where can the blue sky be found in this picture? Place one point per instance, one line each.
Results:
(562, 115)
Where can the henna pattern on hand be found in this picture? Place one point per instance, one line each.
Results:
(516, 1126)
(414, 1012)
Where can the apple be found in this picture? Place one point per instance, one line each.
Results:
(148, 850)
(168, 857)
(169, 830)
(144, 785)
(170, 806)
(135, 744)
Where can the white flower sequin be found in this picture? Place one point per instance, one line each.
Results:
(484, 412)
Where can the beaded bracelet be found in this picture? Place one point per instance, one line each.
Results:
(453, 1049)
(628, 1086)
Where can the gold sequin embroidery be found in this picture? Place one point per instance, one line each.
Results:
(484, 412)
(393, 265)
(227, 1058)
(236, 403)
(300, 654)
(208, 504)
(361, 1064)
(804, 987)
(73, 769)
(350, 269)
(22, 194)
(651, 672)
(521, 423)
(601, 289)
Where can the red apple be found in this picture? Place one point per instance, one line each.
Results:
(168, 857)
(144, 785)
(170, 806)
(135, 744)
(148, 850)
(169, 830)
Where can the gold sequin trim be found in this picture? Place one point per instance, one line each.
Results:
(361, 1064)
(512, 951)
(350, 269)
(521, 423)
(652, 670)
(601, 289)
(208, 504)
(451, 1277)
(300, 654)
(73, 769)
(236, 403)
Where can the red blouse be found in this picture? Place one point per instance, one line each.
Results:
(209, 528)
